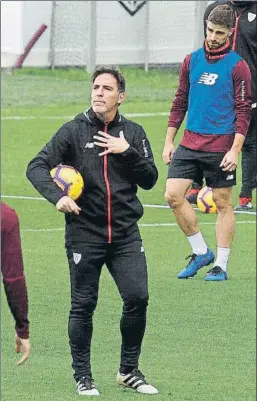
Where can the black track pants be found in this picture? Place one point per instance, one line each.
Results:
(127, 265)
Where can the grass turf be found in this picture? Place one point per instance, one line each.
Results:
(200, 338)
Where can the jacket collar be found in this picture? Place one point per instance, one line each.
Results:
(92, 117)
(242, 3)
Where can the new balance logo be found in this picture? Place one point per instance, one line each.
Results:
(89, 145)
(208, 79)
(230, 177)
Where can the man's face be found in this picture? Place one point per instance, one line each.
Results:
(216, 35)
(105, 96)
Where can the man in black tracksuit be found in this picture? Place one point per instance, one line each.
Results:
(244, 42)
(114, 157)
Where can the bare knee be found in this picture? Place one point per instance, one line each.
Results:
(173, 198)
(223, 200)
(176, 189)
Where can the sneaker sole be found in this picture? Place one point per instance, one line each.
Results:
(243, 209)
(88, 395)
(193, 275)
(134, 390)
(214, 279)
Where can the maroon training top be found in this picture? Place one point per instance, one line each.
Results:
(242, 88)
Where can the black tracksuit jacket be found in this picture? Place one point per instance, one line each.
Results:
(109, 203)
(245, 34)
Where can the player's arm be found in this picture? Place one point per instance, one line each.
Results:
(242, 91)
(169, 147)
(14, 279)
(53, 153)
(16, 294)
(178, 110)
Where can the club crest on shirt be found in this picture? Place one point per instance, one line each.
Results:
(76, 257)
(251, 17)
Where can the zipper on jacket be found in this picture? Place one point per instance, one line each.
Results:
(235, 31)
(107, 183)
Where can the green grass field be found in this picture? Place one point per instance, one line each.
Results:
(200, 339)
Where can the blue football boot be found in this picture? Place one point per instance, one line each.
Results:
(216, 274)
(196, 262)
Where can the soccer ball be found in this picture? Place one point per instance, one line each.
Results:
(205, 202)
(69, 180)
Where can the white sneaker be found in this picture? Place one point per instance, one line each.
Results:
(244, 207)
(136, 381)
(85, 386)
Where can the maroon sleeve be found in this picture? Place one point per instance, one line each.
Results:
(12, 270)
(180, 103)
(242, 90)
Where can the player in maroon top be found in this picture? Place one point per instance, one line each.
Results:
(215, 90)
(244, 42)
(14, 279)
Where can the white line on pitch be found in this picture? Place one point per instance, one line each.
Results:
(144, 205)
(203, 223)
(157, 206)
(23, 197)
(196, 208)
(42, 229)
(140, 225)
(71, 117)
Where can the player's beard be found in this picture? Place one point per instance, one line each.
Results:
(219, 45)
(213, 46)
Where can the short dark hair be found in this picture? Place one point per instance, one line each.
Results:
(115, 73)
(222, 15)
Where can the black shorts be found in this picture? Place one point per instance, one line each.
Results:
(189, 164)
